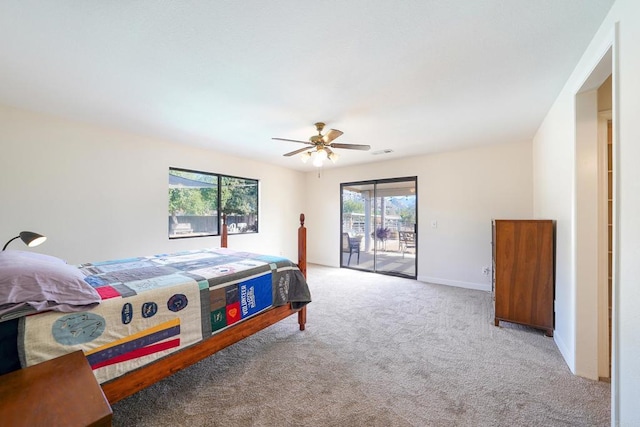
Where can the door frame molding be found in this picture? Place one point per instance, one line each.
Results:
(603, 246)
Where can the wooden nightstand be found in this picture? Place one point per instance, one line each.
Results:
(58, 392)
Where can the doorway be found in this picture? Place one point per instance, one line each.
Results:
(379, 226)
(594, 187)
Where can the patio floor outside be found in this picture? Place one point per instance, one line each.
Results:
(389, 258)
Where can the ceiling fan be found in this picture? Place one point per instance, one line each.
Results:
(322, 146)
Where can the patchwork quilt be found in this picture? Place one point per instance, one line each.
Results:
(153, 306)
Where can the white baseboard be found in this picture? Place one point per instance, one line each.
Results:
(457, 283)
(564, 351)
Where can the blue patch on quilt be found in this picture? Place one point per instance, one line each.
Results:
(177, 302)
(255, 295)
(95, 281)
(149, 309)
(78, 328)
(127, 313)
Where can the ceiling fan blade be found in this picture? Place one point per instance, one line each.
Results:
(331, 135)
(293, 153)
(293, 140)
(351, 146)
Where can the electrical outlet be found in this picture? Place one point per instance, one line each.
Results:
(486, 271)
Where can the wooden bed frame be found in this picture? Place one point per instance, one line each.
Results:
(136, 380)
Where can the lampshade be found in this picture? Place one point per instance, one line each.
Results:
(30, 238)
(317, 161)
(321, 154)
(305, 156)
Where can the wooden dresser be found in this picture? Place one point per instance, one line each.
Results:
(523, 272)
(59, 392)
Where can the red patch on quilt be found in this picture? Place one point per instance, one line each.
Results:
(107, 292)
(233, 313)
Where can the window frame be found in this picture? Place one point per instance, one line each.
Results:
(219, 178)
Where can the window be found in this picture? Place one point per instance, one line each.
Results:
(196, 200)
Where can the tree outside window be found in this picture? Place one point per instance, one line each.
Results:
(239, 200)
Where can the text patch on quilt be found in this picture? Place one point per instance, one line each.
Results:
(127, 313)
(255, 295)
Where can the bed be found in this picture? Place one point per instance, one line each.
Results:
(156, 315)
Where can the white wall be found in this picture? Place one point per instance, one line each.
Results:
(100, 194)
(461, 190)
(555, 194)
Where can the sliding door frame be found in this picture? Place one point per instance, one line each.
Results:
(413, 187)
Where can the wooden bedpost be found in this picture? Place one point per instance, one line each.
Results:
(225, 233)
(302, 246)
(302, 265)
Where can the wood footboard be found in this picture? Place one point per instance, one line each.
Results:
(135, 381)
(145, 376)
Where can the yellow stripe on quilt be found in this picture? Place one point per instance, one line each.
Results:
(157, 328)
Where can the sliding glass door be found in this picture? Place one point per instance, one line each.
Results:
(379, 225)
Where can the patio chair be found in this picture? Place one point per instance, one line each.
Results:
(351, 245)
(407, 241)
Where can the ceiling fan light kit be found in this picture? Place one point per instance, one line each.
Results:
(306, 156)
(322, 146)
(318, 158)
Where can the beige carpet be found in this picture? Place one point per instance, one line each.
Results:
(378, 351)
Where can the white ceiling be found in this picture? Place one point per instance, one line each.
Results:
(415, 77)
